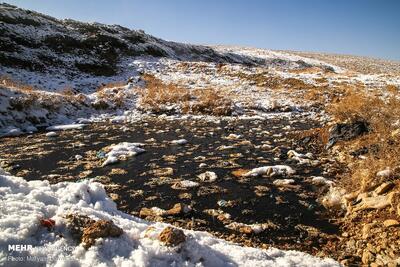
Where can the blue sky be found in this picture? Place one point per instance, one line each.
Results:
(359, 27)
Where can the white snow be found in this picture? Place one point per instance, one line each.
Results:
(319, 180)
(179, 142)
(51, 134)
(123, 150)
(188, 184)
(384, 173)
(271, 170)
(11, 131)
(65, 127)
(208, 176)
(24, 203)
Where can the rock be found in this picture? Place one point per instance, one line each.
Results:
(377, 202)
(367, 257)
(179, 209)
(384, 188)
(390, 223)
(171, 236)
(240, 172)
(347, 131)
(76, 223)
(101, 228)
(208, 176)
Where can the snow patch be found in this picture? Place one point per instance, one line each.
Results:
(25, 203)
(122, 151)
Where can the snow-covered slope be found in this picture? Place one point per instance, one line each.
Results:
(75, 51)
(24, 203)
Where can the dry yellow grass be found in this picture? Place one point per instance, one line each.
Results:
(29, 96)
(209, 101)
(157, 95)
(383, 141)
(9, 82)
(110, 85)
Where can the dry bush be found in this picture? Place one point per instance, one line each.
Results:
(157, 95)
(381, 144)
(209, 101)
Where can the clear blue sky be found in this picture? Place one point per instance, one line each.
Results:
(359, 27)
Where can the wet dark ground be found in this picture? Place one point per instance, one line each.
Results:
(134, 184)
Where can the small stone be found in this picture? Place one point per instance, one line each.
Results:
(171, 236)
(179, 209)
(239, 172)
(366, 230)
(101, 228)
(390, 223)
